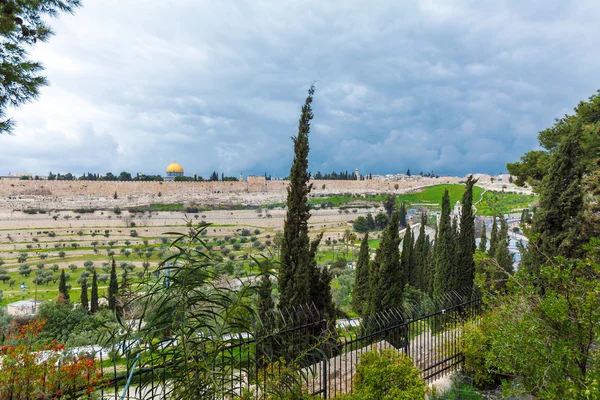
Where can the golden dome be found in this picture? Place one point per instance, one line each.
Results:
(174, 167)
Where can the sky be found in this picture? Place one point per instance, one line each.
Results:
(456, 87)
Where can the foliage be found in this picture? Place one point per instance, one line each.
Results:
(22, 24)
(300, 280)
(186, 320)
(94, 306)
(386, 374)
(360, 294)
(61, 319)
(445, 251)
(26, 375)
(113, 287)
(422, 250)
(385, 277)
(466, 239)
(62, 286)
(545, 339)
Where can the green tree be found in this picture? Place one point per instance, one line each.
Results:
(545, 338)
(483, 240)
(22, 25)
(265, 304)
(84, 295)
(493, 238)
(405, 258)
(558, 224)
(445, 252)
(421, 251)
(94, 306)
(300, 281)
(403, 216)
(62, 286)
(388, 204)
(113, 287)
(466, 239)
(360, 295)
(502, 255)
(385, 275)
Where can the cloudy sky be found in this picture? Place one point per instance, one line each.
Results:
(450, 86)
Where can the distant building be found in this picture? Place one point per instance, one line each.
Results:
(173, 170)
(457, 209)
(257, 179)
(23, 308)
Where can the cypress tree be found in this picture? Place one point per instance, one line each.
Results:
(388, 204)
(483, 241)
(405, 257)
(466, 239)
(502, 254)
(412, 263)
(386, 285)
(265, 306)
(299, 275)
(113, 287)
(420, 252)
(62, 286)
(444, 251)
(559, 220)
(493, 238)
(94, 306)
(403, 216)
(360, 294)
(84, 295)
(427, 266)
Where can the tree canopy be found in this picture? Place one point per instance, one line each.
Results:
(22, 25)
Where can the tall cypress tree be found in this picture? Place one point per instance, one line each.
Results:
(360, 294)
(493, 238)
(405, 257)
(559, 220)
(84, 295)
(113, 287)
(403, 216)
(502, 255)
(386, 283)
(299, 275)
(466, 239)
(62, 286)
(412, 263)
(265, 304)
(444, 251)
(94, 306)
(483, 241)
(427, 266)
(420, 252)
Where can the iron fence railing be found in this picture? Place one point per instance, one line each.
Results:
(301, 347)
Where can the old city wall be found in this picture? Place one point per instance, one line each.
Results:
(18, 195)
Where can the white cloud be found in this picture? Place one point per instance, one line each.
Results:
(455, 86)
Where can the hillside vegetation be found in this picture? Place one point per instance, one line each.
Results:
(430, 197)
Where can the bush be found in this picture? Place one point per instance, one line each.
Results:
(386, 375)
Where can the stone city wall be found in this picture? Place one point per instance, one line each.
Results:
(50, 195)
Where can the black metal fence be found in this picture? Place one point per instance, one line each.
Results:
(299, 348)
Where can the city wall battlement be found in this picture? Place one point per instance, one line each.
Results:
(48, 195)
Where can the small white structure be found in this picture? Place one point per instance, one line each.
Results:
(457, 209)
(23, 308)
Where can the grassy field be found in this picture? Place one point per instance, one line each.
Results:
(431, 197)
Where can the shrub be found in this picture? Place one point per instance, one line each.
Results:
(385, 375)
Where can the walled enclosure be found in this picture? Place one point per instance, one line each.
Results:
(52, 195)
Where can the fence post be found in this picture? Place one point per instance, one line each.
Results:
(325, 378)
